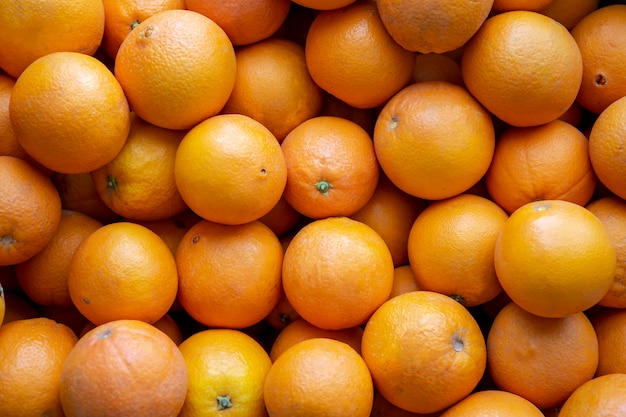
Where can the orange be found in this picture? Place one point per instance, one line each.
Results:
(331, 167)
(282, 314)
(32, 29)
(601, 36)
(122, 16)
(43, 278)
(610, 328)
(602, 396)
(493, 403)
(273, 86)
(243, 264)
(319, 377)
(336, 272)
(166, 324)
(69, 112)
(70, 316)
(436, 67)
(138, 183)
(366, 118)
(33, 352)
(539, 358)
(425, 351)
(9, 144)
(403, 280)
(324, 4)
(546, 162)
(554, 258)
(244, 21)
(509, 5)
(227, 369)
(124, 368)
(569, 12)
(350, 54)
(172, 229)
(440, 243)
(230, 169)
(30, 210)
(282, 218)
(177, 68)
(383, 408)
(123, 271)
(434, 140)
(18, 306)
(574, 116)
(527, 82)
(433, 26)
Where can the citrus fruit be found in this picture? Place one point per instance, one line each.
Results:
(610, 327)
(569, 12)
(601, 396)
(493, 403)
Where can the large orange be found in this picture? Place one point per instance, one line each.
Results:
(31, 29)
(602, 396)
(493, 403)
(610, 327)
(230, 169)
(33, 352)
(527, 82)
(425, 351)
(569, 12)
(554, 258)
(124, 368)
(351, 55)
(69, 112)
(337, 272)
(177, 68)
(434, 140)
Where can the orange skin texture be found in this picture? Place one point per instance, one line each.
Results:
(603, 395)
(324, 4)
(500, 6)
(403, 280)
(610, 327)
(569, 12)
(9, 144)
(437, 67)
(493, 403)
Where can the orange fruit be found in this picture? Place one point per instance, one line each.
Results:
(33, 352)
(319, 377)
(433, 26)
(227, 369)
(18, 306)
(138, 183)
(503, 74)
(123, 368)
(440, 240)
(383, 408)
(403, 280)
(539, 358)
(123, 271)
(177, 68)
(425, 351)
(509, 5)
(43, 278)
(554, 258)
(610, 327)
(436, 67)
(230, 169)
(244, 21)
(70, 316)
(493, 403)
(273, 86)
(30, 210)
(601, 396)
(166, 324)
(600, 36)
(122, 16)
(69, 112)
(172, 229)
(282, 314)
(9, 144)
(350, 54)
(336, 272)
(569, 12)
(366, 118)
(324, 4)
(32, 29)
(331, 167)
(574, 116)
(434, 140)
(282, 218)
(244, 266)
(546, 162)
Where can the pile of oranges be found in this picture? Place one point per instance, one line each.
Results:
(312, 208)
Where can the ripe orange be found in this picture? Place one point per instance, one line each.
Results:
(350, 54)
(177, 68)
(273, 86)
(366, 118)
(433, 26)
(610, 328)
(172, 229)
(437, 67)
(33, 352)
(319, 377)
(602, 396)
(9, 144)
(546, 162)
(230, 169)
(18, 307)
(123, 271)
(282, 218)
(425, 351)
(336, 272)
(324, 4)
(500, 6)
(403, 280)
(243, 264)
(282, 314)
(383, 408)
(331, 167)
(502, 73)
(69, 316)
(69, 112)
(166, 324)
(30, 210)
(539, 358)
(31, 29)
(493, 403)
(78, 193)
(569, 12)
(554, 258)
(227, 369)
(124, 368)
(434, 140)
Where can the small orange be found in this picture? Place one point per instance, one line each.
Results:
(9, 144)
(282, 314)
(123, 271)
(403, 280)
(282, 218)
(18, 307)
(493, 403)
(601, 396)
(425, 351)
(230, 169)
(324, 4)
(124, 368)
(383, 408)
(172, 229)
(500, 6)
(366, 118)
(319, 377)
(437, 67)
(33, 352)
(610, 327)
(177, 68)
(166, 324)
(70, 316)
(331, 167)
(569, 12)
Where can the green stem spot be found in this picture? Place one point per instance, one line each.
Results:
(224, 402)
(111, 183)
(323, 186)
(134, 24)
(458, 298)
